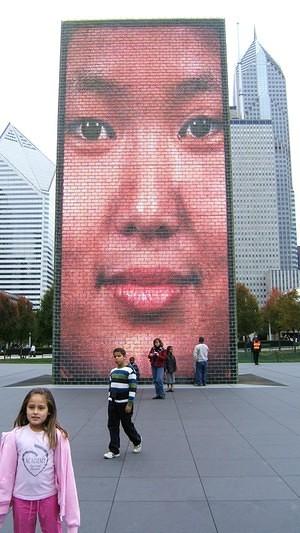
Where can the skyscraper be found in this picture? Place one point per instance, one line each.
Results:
(26, 217)
(254, 203)
(260, 94)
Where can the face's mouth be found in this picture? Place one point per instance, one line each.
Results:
(147, 290)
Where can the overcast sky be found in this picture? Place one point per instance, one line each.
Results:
(30, 42)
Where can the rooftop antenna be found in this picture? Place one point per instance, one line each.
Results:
(255, 36)
(239, 88)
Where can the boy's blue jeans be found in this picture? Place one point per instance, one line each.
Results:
(201, 372)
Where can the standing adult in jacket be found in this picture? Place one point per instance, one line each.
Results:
(157, 357)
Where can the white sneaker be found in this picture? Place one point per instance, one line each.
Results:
(111, 455)
(137, 448)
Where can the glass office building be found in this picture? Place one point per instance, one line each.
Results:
(260, 94)
(26, 217)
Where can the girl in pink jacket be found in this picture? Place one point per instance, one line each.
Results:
(36, 472)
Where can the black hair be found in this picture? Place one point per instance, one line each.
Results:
(159, 340)
(120, 350)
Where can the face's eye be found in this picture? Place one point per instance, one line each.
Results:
(40, 407)
(198, 127)
(91, 129)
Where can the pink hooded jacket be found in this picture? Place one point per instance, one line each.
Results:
(64, 476)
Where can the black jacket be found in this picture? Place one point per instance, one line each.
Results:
(170, 364)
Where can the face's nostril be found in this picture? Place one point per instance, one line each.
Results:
(129, 229)
(163, 232)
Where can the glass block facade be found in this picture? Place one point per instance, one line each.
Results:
(144, 217)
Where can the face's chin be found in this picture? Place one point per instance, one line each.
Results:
(104, 308)
(92, 333)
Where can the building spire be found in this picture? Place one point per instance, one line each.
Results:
(255, 36)
(239, 79)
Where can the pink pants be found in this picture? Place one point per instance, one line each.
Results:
(25, 513)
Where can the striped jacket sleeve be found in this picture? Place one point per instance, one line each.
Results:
(132, 386)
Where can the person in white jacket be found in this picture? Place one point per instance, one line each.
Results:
(200, 356)
(36, 472)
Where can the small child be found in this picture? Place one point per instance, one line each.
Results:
(134, 367)
(122, 389)
(36, 472)
(170, 368)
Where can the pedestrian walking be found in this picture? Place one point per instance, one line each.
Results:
(32, 351)
(122, 389)
(256, 349)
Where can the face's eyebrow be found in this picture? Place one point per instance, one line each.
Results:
(97, 84)
(190, 87)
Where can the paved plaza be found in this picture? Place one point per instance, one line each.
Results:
(215, 459)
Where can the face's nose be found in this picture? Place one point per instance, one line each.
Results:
(150, 204)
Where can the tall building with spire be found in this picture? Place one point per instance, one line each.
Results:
(26, 217)
(254, 204)
(260, 94)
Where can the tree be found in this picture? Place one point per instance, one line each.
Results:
(282, 311)
(271, 311)
(290, 311)
(45, 318)
(25, 319)
(248, 312)
(8, 318)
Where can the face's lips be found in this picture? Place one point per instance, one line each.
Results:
(147, 290)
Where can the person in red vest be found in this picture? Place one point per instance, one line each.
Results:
(256, 348)
(157, 357)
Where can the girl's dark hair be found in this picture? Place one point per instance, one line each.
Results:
(169, 348)
(160, 342)
(51, 423)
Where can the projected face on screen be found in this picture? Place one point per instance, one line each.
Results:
(144, 226)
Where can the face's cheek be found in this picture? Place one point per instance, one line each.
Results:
(91, 191)
(91, 195)
(90, 188)
(201, 186)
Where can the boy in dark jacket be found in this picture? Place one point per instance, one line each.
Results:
(134, 367)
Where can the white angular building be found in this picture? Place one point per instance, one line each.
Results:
(26, 217)
(260, 94)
